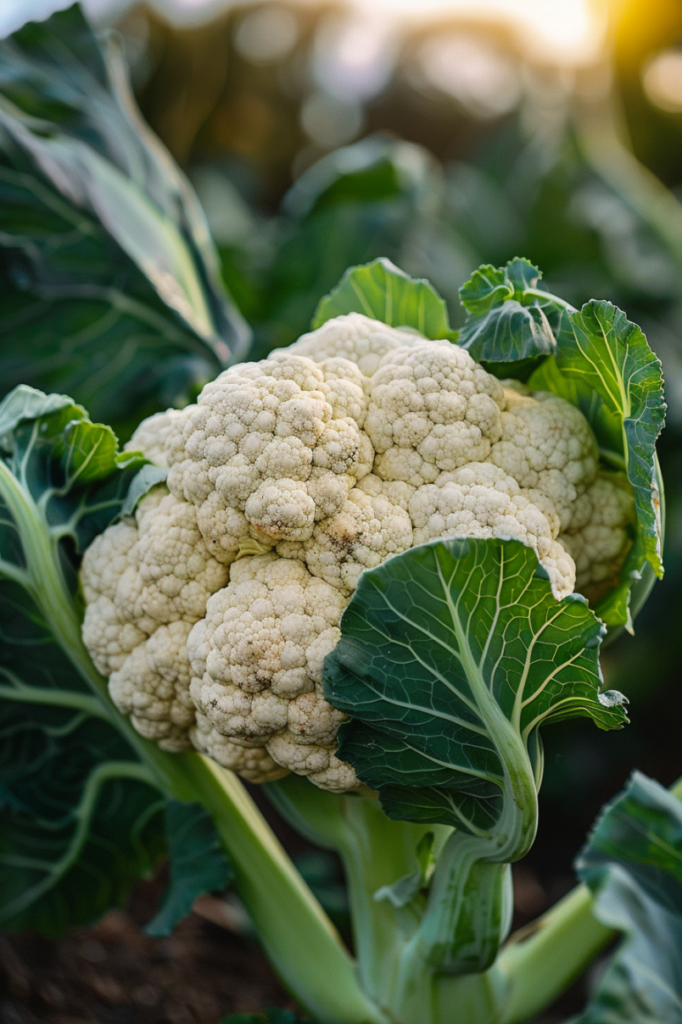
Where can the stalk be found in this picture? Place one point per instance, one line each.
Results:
(468, 911)
(375, 852)
(299, 940)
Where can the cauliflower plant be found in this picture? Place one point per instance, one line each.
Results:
(213, 608)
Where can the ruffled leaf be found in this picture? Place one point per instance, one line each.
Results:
(81, 817)
(609, 354)
(633, 864)
(511, 318)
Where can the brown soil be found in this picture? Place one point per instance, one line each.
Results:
(114, 974)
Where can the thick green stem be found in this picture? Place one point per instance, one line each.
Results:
(376, 852)
(298, 938)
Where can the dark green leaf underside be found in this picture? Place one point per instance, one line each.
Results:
(109, 285)
(80, 817)
(78, 823)
(197, 864)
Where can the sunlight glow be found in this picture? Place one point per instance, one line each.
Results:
(563, 30)
(662, 80)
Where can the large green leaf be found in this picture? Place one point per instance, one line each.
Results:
(110, 287)
(511, 318)
(384, 292)
(80, 814)
(80, 820)
(380, 197)
(451, 657)
(633, 864)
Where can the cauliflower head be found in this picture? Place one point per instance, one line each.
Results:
(211, 610)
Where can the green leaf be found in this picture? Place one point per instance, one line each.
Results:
(511, 318)
(197, 864)
(633, 864)
(383, 292)
(605, 367)
(377, 197)
(80, 820)
(376, 169)
(451, 657)
(80, 813)
(110, 284)
(149, 476)
(61, 476)
(609, 354)
(80, 816)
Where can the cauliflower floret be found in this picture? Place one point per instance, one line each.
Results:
(159, 437)
(598, 537)
(251, 762)
(107, 636)
(480, 500)
(109, 557)
(432, 409)
(354, 337)
(367, 530)
(108, 632)
(319, 764)
(262, 448)
(347, 389)
(152, 686)
(146, 582)
(257, 658)
(547, 445)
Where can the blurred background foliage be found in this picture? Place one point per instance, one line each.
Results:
(323, 134)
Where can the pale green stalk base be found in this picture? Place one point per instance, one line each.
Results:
(298, 938)
(393, 962)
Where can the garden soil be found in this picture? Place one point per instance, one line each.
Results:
(113, 973)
